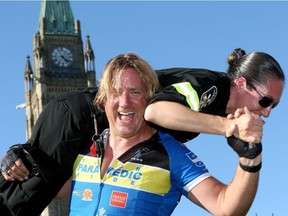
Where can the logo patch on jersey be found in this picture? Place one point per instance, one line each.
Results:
(118, 199)
(195, 159)
(87, 195)
(208, 97)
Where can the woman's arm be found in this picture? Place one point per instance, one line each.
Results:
(175, 116)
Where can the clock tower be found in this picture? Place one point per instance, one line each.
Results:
(60, 64)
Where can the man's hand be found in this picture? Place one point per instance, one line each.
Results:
(12, 167)
(247, 125)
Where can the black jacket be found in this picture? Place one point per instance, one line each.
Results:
(63, 130)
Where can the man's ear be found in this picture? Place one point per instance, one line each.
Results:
(240, 84)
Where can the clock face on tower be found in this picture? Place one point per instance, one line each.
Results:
(62, 57)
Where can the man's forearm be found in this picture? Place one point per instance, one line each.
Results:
(240, 193)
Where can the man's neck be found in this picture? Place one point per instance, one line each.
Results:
(122, 144)
(117, 145)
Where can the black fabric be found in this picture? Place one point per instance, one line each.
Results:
(3, 208)
(212, 87)
(29, 197)
(63, 130)
(202, 80)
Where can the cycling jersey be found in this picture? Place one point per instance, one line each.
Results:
(201, 90)
(148, 179)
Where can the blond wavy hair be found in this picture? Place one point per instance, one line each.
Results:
(113, 70)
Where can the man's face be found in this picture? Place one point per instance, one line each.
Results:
(126, 105)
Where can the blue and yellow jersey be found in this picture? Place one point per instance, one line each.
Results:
(148, 179)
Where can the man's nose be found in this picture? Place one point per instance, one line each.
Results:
(124, 99)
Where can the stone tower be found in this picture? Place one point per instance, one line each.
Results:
(59, 65)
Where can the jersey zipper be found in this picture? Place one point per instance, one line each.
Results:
(98, 198)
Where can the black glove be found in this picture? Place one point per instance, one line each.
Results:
(245, 149)
(13, 154)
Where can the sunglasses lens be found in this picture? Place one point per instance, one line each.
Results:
(266, 102)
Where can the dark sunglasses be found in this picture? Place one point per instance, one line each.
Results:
(265, 101)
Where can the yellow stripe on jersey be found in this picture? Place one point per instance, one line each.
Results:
(86, 168)
(130, 175)
(138, 176)
(186, 89)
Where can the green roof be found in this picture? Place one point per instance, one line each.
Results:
(58, 17)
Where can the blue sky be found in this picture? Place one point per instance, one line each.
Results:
(168, 34)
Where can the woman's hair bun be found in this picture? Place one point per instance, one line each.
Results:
(234, 57)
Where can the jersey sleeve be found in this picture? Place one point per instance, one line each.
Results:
(186, 168)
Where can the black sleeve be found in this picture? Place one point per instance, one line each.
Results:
(208, 91)
(66, 126)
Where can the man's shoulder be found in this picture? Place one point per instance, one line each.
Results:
(169, 141)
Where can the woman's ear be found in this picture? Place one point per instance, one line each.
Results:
(240, 84)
